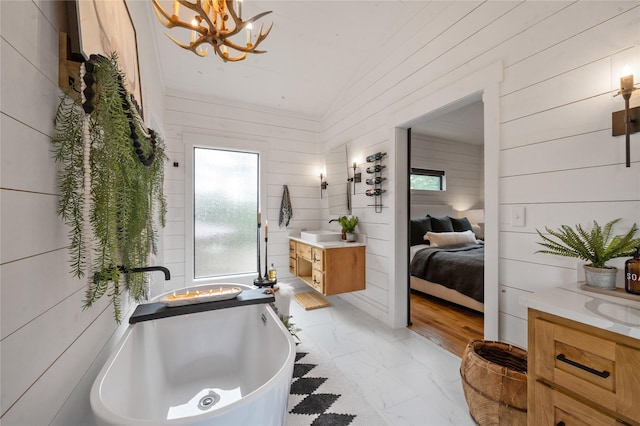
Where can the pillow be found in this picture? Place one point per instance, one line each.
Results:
(443, 239)
(461, 225)
(441, 224)
(419, 227)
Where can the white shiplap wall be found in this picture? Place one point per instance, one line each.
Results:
(292, 158)
(51, 349)
(463, 167)
(557, 158)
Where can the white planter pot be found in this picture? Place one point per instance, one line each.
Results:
(351, 236)
(601, 277)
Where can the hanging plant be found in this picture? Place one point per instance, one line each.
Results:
(110, 183)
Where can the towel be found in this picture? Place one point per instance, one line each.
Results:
(286, 212)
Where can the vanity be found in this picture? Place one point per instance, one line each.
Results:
(329, 267)
(583, 358)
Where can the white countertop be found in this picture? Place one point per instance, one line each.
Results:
(611, 313)
(329, 244)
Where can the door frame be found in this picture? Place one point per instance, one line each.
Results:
(486, 82)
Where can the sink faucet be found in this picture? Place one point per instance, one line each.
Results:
(334, 220)
(167, 274)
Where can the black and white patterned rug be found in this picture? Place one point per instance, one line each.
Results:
(321, 395)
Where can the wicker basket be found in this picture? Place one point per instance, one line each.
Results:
(494, 380)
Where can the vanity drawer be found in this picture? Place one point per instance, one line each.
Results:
(317, 258)
(292, 248)
(303, 250)
(596, 368)
(317, 280)
(569, 411)
(293, 266)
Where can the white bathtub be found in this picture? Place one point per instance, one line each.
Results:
(224, 367)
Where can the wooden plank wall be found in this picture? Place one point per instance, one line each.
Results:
(463, 166)
(51, 349)
(557, 159)
(293, 159)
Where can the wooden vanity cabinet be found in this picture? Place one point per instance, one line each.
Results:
(330, 271)
(581, 375)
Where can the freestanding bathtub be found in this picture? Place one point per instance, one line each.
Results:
(229, 366)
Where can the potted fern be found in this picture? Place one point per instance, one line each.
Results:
(349, 224)
(596, 247)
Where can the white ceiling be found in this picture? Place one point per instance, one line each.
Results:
(314, 51)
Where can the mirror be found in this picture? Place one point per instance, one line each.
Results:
(337, 180)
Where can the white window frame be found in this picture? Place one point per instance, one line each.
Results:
(192, 141)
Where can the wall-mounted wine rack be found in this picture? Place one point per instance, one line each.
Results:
(375, 170)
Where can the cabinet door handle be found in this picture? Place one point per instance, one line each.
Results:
(316, 259)
(604, 374)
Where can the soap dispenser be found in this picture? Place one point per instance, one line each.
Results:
(632, 273)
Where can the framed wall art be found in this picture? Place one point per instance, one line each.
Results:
(104, 27)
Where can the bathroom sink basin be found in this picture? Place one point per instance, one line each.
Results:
(320, 236)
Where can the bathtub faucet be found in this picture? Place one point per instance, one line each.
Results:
(167, 274)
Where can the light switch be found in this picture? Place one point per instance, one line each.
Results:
(517, 216)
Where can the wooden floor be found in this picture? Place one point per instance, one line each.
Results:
(449, 325)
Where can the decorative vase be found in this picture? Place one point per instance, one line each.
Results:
(351, 237)
(601, 277)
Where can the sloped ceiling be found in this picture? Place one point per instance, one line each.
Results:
(315, 49)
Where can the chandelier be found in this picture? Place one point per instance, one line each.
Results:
(215, 22)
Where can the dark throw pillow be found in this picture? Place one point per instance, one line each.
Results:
(441, 224)
(419, 227)
(460, 225)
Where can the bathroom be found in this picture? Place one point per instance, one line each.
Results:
(52, 349)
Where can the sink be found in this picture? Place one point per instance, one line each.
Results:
(320, 236)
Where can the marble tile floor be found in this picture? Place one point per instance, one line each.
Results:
(408, 379)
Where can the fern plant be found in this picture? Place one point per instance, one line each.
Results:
(105, 147)
(596, 246)
(348, 223)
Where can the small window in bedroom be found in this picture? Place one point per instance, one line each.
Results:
(427, 180)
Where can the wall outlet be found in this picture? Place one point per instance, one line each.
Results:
(517, 216)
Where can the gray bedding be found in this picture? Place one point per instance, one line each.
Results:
(457, 267)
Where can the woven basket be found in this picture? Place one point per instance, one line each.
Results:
(494, 380)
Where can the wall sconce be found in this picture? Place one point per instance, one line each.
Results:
(356, 178)
(323, 183)
(627, 121)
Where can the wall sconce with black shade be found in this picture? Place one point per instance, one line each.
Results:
(323, 184)
(627, 121)
(357, 177)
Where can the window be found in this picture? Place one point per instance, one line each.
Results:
(427, 180)
(225, 207)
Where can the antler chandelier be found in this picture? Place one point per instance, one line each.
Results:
(214, 22)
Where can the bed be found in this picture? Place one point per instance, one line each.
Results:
(446, 261)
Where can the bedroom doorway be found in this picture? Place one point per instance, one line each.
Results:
(438, 146)
(481, 84)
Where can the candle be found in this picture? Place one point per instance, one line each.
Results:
(259, 218)
(176, 8)
(249, 34)
(266, 229)
(194, 24)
